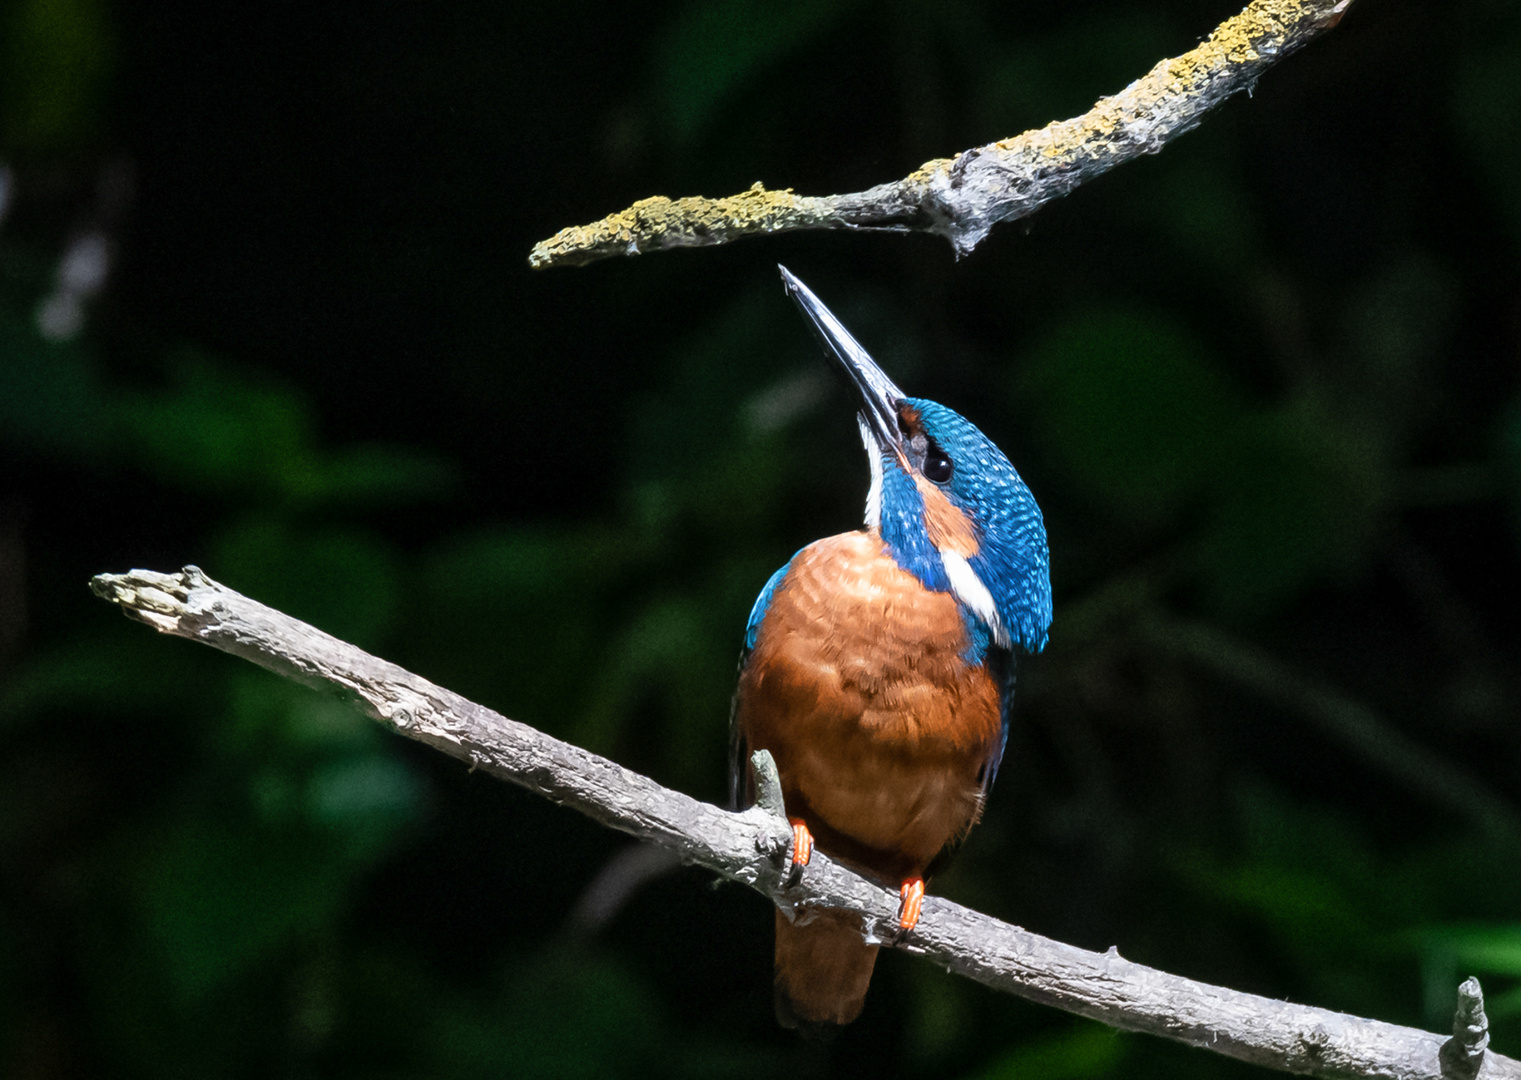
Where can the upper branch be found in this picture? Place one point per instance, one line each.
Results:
(752, 847)
(963, 197)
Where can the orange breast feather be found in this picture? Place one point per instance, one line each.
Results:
(858, 687)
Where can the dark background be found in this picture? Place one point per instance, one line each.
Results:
(265, 307)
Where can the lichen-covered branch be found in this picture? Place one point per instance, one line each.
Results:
(963, 197)
(752, 847)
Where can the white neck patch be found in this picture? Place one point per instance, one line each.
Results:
(874, 459)
(969, 589)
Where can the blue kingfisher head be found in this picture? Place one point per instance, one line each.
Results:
(946, 502)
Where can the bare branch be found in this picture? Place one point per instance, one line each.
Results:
(752, 847)
(963, 197)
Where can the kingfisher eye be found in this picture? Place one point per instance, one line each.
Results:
(937, 466)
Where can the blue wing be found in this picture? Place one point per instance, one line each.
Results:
(759, 608)
(1001, 665)
(740, 795)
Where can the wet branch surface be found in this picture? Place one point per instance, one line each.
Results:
(753, 847)
(961, 198)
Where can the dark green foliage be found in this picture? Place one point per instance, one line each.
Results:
(1139, 410)
(1264, 386)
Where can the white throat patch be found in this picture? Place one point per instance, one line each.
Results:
(874, 459)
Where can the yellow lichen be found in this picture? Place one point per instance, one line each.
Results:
(1149, 109)
(660, 221)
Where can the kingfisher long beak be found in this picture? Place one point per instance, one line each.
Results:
(877, 395)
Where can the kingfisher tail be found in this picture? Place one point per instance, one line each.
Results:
(822, 970)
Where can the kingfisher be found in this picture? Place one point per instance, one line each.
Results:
(878, 668)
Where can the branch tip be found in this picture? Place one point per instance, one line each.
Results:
(1462, 1055)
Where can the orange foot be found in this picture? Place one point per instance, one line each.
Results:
(911, 899)
(802, 849)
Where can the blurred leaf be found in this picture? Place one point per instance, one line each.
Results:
(220, 893)
(270, 715)
(315, 761)
(1033, 80)
(941, 1015)
(1401, 315)
(57, 61)
(714, 374)
(1204, 209)
(362, 800)
(1486, 948)
(1090, 1050)
(489, 567)
(1451, 953)
(571, 1013)
(1486, 89)
(714, 47)
(518, 615)
(1309, 875)
(50, 394)
(343, 582)
(378, 473)
(102, 673)
(219, 430)
(672, 650)
(561, 1016)
(1302, 905)
(1398, 325)
(218, 899)
(1134, 406)
(1296, 500)
(1509, 451)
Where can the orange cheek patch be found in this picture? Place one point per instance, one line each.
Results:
(949, 529)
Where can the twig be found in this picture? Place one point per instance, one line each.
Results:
(963, 197)
(1463, 1054)
(1348, 721)
(752, 847)
(623, 875)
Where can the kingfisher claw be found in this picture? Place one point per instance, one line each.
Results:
(802, 850)
(802, 842)
(911, 899)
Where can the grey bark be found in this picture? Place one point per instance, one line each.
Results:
(753, 847)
